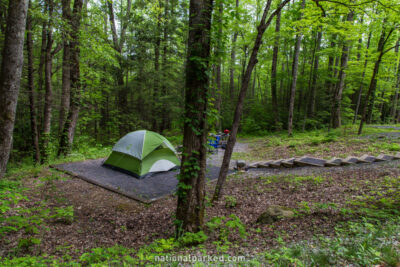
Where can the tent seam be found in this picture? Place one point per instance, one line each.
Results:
(144, 138)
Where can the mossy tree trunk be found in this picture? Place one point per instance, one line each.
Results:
(10, 75)
(31, 90)
(67, 136)
(191, 187)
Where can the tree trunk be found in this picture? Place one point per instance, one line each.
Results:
(10, 75)
(40, 94)
(308, 96)
(48, 98)
(191, 187)
(233, 62)
(66, 67)
(362, 80)
(337, 98)
(67, 136)
(368, 104)
(294, 78)
(219, 55)
(274, 97)
(156, 89)
(331, 62)
(264, 23)
(315, 74)
(31, 90)
(396, 95)
(165, 116)
(118, 44)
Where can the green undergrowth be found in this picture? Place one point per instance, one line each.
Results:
(360, 243)
(322, 142)
(28, 219)
(369, 236)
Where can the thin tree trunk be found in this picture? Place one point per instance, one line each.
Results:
(10, 75)
(191, 189)
(368, 104)
(274, 97)
(315, 74)
(105, 95)
(40, 93)
(219, 55)
(31, 90)
(362, 80)
(281, 85)
(66, 67)
(67, 136)
(165, 116)
(307, 100)
(253, 84)
(337, 99)
(381, 105)
(294, 79)
(396, 95)
(264, 24)
(331, 62)
(48, 99)
(118, 46)
(233, 62)
(156, 89)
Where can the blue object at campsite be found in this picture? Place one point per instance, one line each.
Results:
(214, 142)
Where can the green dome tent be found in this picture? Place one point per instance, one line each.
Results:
(141, 152)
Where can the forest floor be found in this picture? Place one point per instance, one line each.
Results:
(344, 215)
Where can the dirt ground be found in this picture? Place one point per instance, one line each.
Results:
(104, 218)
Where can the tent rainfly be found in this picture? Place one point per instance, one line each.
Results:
(142, 152)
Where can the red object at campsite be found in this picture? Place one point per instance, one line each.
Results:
(226, 131)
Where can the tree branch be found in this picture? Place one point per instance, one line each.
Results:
(387, 50)
(57, 49)
(273, 14)
(113, 28)
(125, 24)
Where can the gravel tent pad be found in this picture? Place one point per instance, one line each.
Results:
(146, 190)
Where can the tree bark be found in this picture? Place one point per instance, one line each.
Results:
(156, 89)
(368, 104)
(264, 24)
(337, 98)
(66, 66)
(219, 55)
(165, 114)
(294, 79)
(67, 136)
(191, 187)
(118, 46)
(233, 62)
(10, 75)
(40, 70)
(31, 90)
(362, 80)
(331, 62)
(315, 74)
(274, 97)
(396, 95)
(48, 98)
